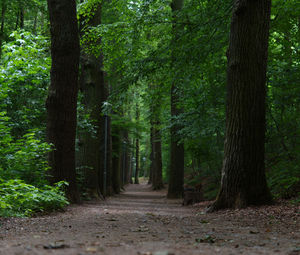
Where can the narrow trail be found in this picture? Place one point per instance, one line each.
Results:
(143, 222)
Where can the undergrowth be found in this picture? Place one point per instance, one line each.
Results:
(18, 199)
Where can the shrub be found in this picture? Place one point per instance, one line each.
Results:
(20, 199)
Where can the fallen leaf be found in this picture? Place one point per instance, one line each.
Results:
(56, 246)
(112, 219)
(206, 239)
(204, 221)
(91, 249)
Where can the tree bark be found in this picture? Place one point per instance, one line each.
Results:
(17, 20)
(151, 170)
(137, 150)
(109, 155)
(243, 174)
(125, 158)
(131, 165)
(93, 88)
(34, 28)
(62, 96)
(175, 188)
(3, 12)
(116, 160)
(22, 13)
(155, 141)
(157, 181)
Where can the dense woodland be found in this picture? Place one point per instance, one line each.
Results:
(95, 94)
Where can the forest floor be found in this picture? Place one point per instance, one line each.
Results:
(143, 222)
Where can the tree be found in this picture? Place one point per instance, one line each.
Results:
(137, 150)
(156, 160)
(3, 12)
(177, 149)
(243, 174)
(116, 159)
(62, 96)
(94, 90)
(155, 177)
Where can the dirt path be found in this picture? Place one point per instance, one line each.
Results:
(141, 221)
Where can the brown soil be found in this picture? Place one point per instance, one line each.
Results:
(142, 221)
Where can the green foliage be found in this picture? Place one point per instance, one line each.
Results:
(24, 158)
(284, 180)
(24, 78)
(283, 130)
(20, 199)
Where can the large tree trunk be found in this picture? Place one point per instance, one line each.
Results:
(93, 88)
(177, 149)
(62, 96)
(243, 174)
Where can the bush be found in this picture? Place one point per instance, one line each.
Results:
(24, 158)
(20, 199)
(284, 180)
(24, 80)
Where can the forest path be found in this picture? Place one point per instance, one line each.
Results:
(143, 222)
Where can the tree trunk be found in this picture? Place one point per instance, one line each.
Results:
(155, 141)
(109, 155)
(137, 161)
(157, 182)
(151, 170)
(125, 158)
(137, 150)
(175, 189)
(34, 28)
(92, 86)
(243, 175)
(17, 20)
(3, 12)
(116, 160)
(21, 16)
(130, 175)
(62, 96)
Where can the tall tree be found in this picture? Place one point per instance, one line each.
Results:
(137, 150)
(155, 138)
(243, 175)
(177, 149)
(125, 158)
(62, 96)
(151, 167)
(116, 159)
(156, 160)
(94, 90)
